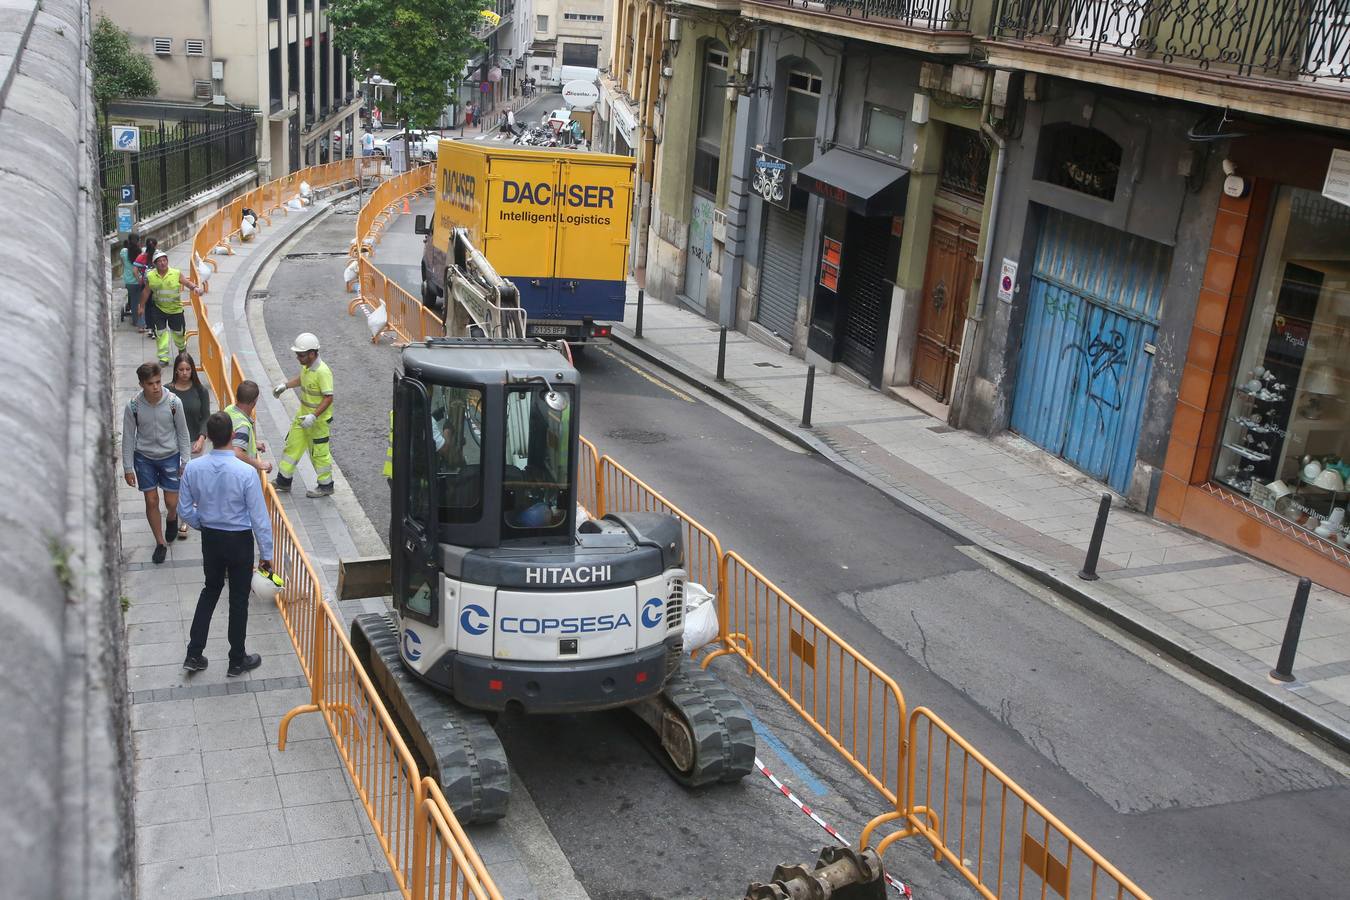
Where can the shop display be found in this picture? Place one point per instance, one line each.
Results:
(1286, 439)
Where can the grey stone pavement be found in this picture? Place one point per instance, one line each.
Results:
(1221, 612)
(220, 812)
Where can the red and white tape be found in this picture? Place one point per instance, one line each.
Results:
(829, 829)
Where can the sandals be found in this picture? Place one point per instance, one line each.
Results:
(182, 530)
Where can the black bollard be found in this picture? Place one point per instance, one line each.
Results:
(1089, 572)
(1284, 668)
(637, 332)
(810, 395)
(722, 355)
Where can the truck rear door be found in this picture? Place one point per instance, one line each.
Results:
(592, 243)
(520, 227)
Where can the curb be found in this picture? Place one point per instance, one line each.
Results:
(1194, 658)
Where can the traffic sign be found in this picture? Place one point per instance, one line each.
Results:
(126, 138)
(126, 218)
(128, 193)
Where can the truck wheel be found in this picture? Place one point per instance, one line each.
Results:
(430, 299)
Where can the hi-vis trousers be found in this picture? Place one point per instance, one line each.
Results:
(314, 442)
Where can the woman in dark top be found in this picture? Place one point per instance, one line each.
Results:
(196, 405)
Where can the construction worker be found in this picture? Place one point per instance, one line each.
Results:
(309, 431)
(165, 286)
(245, 442)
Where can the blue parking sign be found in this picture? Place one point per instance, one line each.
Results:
(126, 218)
(128, 193)
(126, 138)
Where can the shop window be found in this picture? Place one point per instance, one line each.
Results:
(800, 114)
(1080, 159)
(884, 131)
(1285, 441)
(965, 163)
(712, 106)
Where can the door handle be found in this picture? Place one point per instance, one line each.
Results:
(535, 282)
(571, 286)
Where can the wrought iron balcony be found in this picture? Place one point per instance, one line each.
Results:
(930, 15)
(1289, 40)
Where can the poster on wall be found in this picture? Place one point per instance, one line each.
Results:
(829, 264)
(1337, 184)
(772, 179)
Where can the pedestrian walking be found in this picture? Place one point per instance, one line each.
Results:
(165, 286)
(222, 498)
(367, 144)
(310, 430)
(245, 443)
(155, 450)
(187, 386)
(131, 280)
(140, 265)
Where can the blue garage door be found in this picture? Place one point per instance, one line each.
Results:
(1094, 302)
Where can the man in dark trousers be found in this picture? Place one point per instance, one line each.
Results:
(221, 496)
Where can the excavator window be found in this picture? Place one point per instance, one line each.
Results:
(457, 434)
(536, 482)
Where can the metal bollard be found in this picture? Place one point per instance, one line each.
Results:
(637, 332)
(722, 355)
(810, 395)
(1089, 572)
(1284, 667)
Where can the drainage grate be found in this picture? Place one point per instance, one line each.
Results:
(321, 254)
(259, 294)
(941, 429)
(768, 365)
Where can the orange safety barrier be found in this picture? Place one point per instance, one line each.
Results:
(588, 479)
(425, 846)
(998, 836)
(620, 490)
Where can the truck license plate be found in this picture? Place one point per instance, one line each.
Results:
(558, 330)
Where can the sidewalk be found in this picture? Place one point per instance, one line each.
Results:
(220, 812)
(1213, 608)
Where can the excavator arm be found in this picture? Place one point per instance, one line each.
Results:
(481, 303)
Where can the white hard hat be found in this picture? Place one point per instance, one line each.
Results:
(159, 254)
(305, 342)
(266, 585)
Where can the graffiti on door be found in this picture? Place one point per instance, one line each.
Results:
(1104, 359)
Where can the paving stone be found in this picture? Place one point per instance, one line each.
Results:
(231, 765)
(304, 756)
(231, 735)
(174, 771)
(162, 714)
(323, 821)
(174, 841)
(225, 708)
(243, 795)
(166, 741)
(258, 869)
(250, 831)
(179, 880)
(179, 804)
(306, 788)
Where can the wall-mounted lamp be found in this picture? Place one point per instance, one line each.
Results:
(1234, 185)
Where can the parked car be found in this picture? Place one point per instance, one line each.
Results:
(423, 143)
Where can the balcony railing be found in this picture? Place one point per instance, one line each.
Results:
(1303, 40)
(934, 15)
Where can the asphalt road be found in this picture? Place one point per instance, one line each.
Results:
(1188, 796)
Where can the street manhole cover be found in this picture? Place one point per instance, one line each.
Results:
(636, 436)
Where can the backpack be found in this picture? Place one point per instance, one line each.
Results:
(174, 403)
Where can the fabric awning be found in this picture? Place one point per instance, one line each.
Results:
(863, 184)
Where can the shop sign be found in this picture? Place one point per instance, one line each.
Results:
(772, 179)
(580, 94)
(1337, 184)
(829, 264)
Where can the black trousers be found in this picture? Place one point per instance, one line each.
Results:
(225, 554)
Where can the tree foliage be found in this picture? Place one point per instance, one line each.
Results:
(119, 71)
(420, 45)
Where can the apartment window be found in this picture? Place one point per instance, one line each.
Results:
(583, 17)
(800, 113)
(163, 46)
(884, 131)
(965, 162)
(541, 23)
(201, 90)
(194, 47)
(712, 105)
(581, 55)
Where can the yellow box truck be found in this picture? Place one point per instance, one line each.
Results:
(555, 223)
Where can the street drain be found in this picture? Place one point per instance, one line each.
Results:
(636, 436)
(324, 254)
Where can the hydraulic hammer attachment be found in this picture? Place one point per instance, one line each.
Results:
(841, 873)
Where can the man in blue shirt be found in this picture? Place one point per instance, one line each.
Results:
(221, 496)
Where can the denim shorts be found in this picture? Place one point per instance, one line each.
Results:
(155, 473)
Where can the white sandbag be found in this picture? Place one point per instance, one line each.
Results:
(305, 190)
(700, 617)
(247, 229)
(378, 318)
(202, 269)
(582, 515)
(349, 275)
(295, 203)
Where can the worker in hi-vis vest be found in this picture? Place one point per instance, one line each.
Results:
(164, 291)
(310, 429)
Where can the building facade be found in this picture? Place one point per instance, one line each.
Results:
(1117, 234)
(274, 56)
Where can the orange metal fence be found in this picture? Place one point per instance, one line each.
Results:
(425, 846)
(997, 835)
(588, 479)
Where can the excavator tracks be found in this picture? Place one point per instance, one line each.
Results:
(716, 727)
(458, 745)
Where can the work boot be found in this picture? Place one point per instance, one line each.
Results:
(323, 490)
(281, 484)
(247, 664)
(194, 663)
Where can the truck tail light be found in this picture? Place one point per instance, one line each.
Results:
(599, 331)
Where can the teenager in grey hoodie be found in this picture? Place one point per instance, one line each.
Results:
(155, 449)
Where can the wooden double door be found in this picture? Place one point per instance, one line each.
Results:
(942, 312)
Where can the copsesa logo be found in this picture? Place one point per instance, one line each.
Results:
(474, 619)
(652, 611)
(411, 645)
